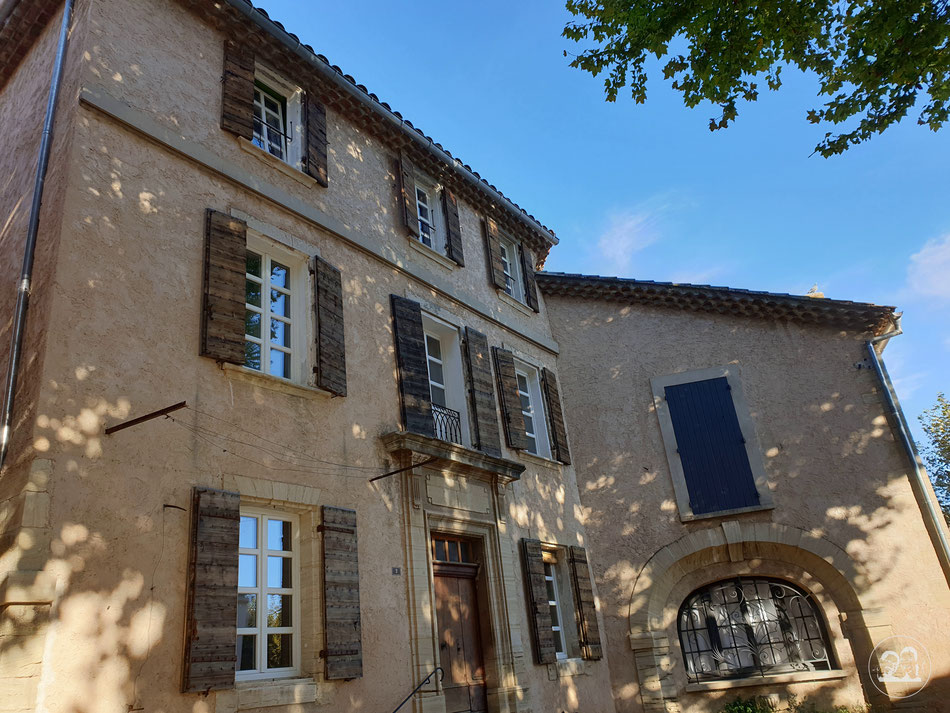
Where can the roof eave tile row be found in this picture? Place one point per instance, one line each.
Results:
(860, 316)
(241, 20)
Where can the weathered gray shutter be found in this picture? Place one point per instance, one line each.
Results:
(587, 626)
(530, 286)
(237, 90)
(496, 270)
(539, 611)
(341, 594)
(482, 392)
(316, 137)
(552, 403)
(211, 626)
(407, 195)
(330, 369)
(512, 416)
(222, 313)
(412, 367)
(453, 232)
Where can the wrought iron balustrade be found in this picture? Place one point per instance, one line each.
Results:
(448, 424)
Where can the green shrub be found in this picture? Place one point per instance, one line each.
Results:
(749, 705)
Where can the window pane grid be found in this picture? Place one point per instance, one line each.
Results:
(555, 606)
(746, 627)
(265, 276)
(426, 224)
(527, 411)
(269, 126)
(267, 646)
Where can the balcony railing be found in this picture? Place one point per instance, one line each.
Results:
(448, 424)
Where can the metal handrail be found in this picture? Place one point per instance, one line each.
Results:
(438, 669)
(448, 424)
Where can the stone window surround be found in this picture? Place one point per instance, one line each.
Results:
(753, 451)
(855, 624)
(304, 502)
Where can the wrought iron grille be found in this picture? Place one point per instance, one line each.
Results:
(448, 424)
(751, 627)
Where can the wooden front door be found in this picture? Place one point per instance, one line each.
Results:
(460, 647)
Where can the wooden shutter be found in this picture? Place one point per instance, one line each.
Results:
(316, 138)
(539, 611)
(412, 367)
(552, 404)
(453, 227)
(530, 286)
(211, 626)
(587, 626)
(512, 416)
(237, 90)
(341, 594)
(407, 195)
(711, 446)
(330, 368)
(482, 392)
(496, 270)
(225, 259)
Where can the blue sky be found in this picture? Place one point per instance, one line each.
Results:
(647, 191)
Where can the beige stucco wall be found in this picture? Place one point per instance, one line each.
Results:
(838, 479)
(25, 587)
(125, 322)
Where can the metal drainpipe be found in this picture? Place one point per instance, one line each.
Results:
(934, 519)
(26, 274)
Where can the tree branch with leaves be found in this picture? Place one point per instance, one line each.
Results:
(875, 61)
(936, 454)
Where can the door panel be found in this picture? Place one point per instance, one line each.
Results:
(460, 648)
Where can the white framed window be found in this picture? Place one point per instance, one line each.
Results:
(431, 220)
(559, 586)
(557, 615)
(277, 283)
(278, 115)
(511, 265)
(268, 620)
(446, 382)
(532, 408)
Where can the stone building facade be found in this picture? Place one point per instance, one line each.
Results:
(393, 454)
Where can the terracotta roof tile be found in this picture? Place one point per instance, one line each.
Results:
(720, 300)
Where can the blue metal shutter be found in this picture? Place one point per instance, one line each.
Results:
(711, 446)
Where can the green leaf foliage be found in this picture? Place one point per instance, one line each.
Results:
(936, 453)
(875, 60)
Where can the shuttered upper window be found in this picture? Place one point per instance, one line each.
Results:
(710, 444)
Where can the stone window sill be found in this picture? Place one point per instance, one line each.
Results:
(266, 381)
(689, 517)
(543, 461)
(520, 306)
(565, 668)
(431, 254)
(274, 692)
(801, 677)
(276, 163)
